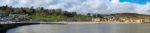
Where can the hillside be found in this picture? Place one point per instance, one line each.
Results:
(9, 13)
(132, 15)
(127, 17)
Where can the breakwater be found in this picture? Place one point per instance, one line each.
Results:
(70, 22)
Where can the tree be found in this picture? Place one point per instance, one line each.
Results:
(99, 15)
(23, 10)
(68, 14)
(58, 11)
(88, 14)
(4, 7)
(32, 11)
(74, 14)
(31, 7)
(42, 8)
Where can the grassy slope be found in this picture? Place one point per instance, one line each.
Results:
(48, 17)
(134, 16)
(61, 17)
(87, 17)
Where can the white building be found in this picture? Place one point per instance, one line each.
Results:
(96, 19)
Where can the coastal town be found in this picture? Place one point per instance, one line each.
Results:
(126, 20)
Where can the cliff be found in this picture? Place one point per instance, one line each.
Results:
(126, 17)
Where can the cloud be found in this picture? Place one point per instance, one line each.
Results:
(84, 6)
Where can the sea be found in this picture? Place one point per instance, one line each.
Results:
(82, 28)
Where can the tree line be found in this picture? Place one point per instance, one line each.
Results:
(41, 11)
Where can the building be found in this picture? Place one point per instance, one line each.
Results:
(96, 19)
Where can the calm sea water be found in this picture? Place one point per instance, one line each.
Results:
(83, 28)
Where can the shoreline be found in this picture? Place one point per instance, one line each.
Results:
(81, 22)
(98, 22)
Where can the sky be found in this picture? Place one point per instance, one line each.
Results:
(86, 6)
(136, 1)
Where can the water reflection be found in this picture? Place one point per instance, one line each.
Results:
(83, 28)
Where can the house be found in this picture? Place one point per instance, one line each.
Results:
(96, 19)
